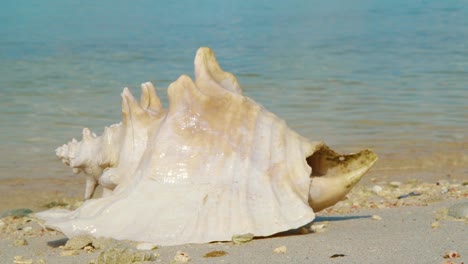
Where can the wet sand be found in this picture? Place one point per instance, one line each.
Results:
(372, 226)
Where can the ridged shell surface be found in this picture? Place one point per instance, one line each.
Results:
(213, 165)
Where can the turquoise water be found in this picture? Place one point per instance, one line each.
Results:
(389, 75)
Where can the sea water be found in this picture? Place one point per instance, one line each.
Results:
(387, 75)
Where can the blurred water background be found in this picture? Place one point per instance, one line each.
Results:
(388, 75)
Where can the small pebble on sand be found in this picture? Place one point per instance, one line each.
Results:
(21, 260)
(377, 189)
(459, 210)
(181, 257)
(451, 254)
(20, 242)
(319, 227)
(240, 239)
(89, 249)
(146, 246)
(78, 242)
(280, 250)
(376, 217)
(215, 254)
(27, 229)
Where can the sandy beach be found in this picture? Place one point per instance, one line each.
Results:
(387, 76)
(389, 220)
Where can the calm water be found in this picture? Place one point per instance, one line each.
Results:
(389, 75)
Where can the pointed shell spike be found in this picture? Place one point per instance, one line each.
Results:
(207, 70)
(131, 109)
(86, 134)
(149, 99)
(182, 93)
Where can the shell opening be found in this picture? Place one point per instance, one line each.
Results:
(333, 175)
(318, 162)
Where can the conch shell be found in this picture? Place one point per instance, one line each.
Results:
(213, 165)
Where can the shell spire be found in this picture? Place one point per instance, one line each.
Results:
(208, 73)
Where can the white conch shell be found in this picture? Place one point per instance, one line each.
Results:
(214, 165)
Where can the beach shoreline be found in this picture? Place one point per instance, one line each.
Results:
(371, 226)
(368, 75)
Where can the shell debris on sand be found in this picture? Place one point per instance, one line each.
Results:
(240, 239)
(78, 242)
(89, 249)
(21, 260)
(146, 246)
(449, 261)
(89, 244)
(319, 227)
(280, 250)
(451, 254)
(395, 184)
(181, 257)
(124, 255)
(22, 227)
(386, 195)
(377, 189)
(303, 230)
(20, 242)
(215, 254)
(435, 224)
(376, 217)
(112, 250)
